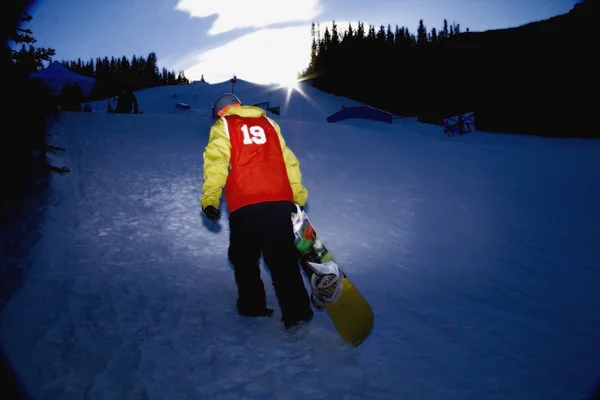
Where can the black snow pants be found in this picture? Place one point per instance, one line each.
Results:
(267, 228)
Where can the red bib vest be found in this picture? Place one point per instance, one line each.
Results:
(257, 168)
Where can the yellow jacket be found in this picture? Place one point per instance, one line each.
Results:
(218, 151)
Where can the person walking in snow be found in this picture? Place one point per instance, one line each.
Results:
(248, 157)
(126, 102)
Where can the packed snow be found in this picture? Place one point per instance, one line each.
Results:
(479, 255)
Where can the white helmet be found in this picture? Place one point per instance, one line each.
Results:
(222, 102)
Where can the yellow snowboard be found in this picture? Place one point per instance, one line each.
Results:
(331, 288)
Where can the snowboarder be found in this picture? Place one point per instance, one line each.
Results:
(126, 101)
(248, 157)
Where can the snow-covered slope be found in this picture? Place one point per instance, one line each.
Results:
(479, 255)
(307, 103)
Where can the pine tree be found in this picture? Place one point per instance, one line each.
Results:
(371, 36)
(326, 39)
(360, 32)
(445, 34)
(433, 36)
(349, 35)
(313, 50)
(389, 36)
(151, 70)
(335, 37)
(182, 80)
(421, 35)
(28, 58)
(27, 145)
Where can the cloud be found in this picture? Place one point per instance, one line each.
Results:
(236, 14)
(250, 56)
(273, 55)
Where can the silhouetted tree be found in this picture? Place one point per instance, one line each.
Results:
(117, 73)
(422, 35)
(444, 72)
(379, 62)
(29, 106)
(71, 97)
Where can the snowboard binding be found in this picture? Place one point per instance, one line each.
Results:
(326, 282)
(326, 278)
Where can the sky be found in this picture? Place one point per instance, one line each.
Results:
(263, 41)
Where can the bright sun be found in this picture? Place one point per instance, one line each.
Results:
(290, 84)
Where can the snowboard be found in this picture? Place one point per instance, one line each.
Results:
(331, 288)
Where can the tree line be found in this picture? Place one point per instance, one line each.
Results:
(117, 73)
(525, 79)
(382, 67)
(111, 74)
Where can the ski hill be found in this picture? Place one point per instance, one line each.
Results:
(479, 255)
(311, 106)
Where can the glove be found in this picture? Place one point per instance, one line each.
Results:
(212, 213)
